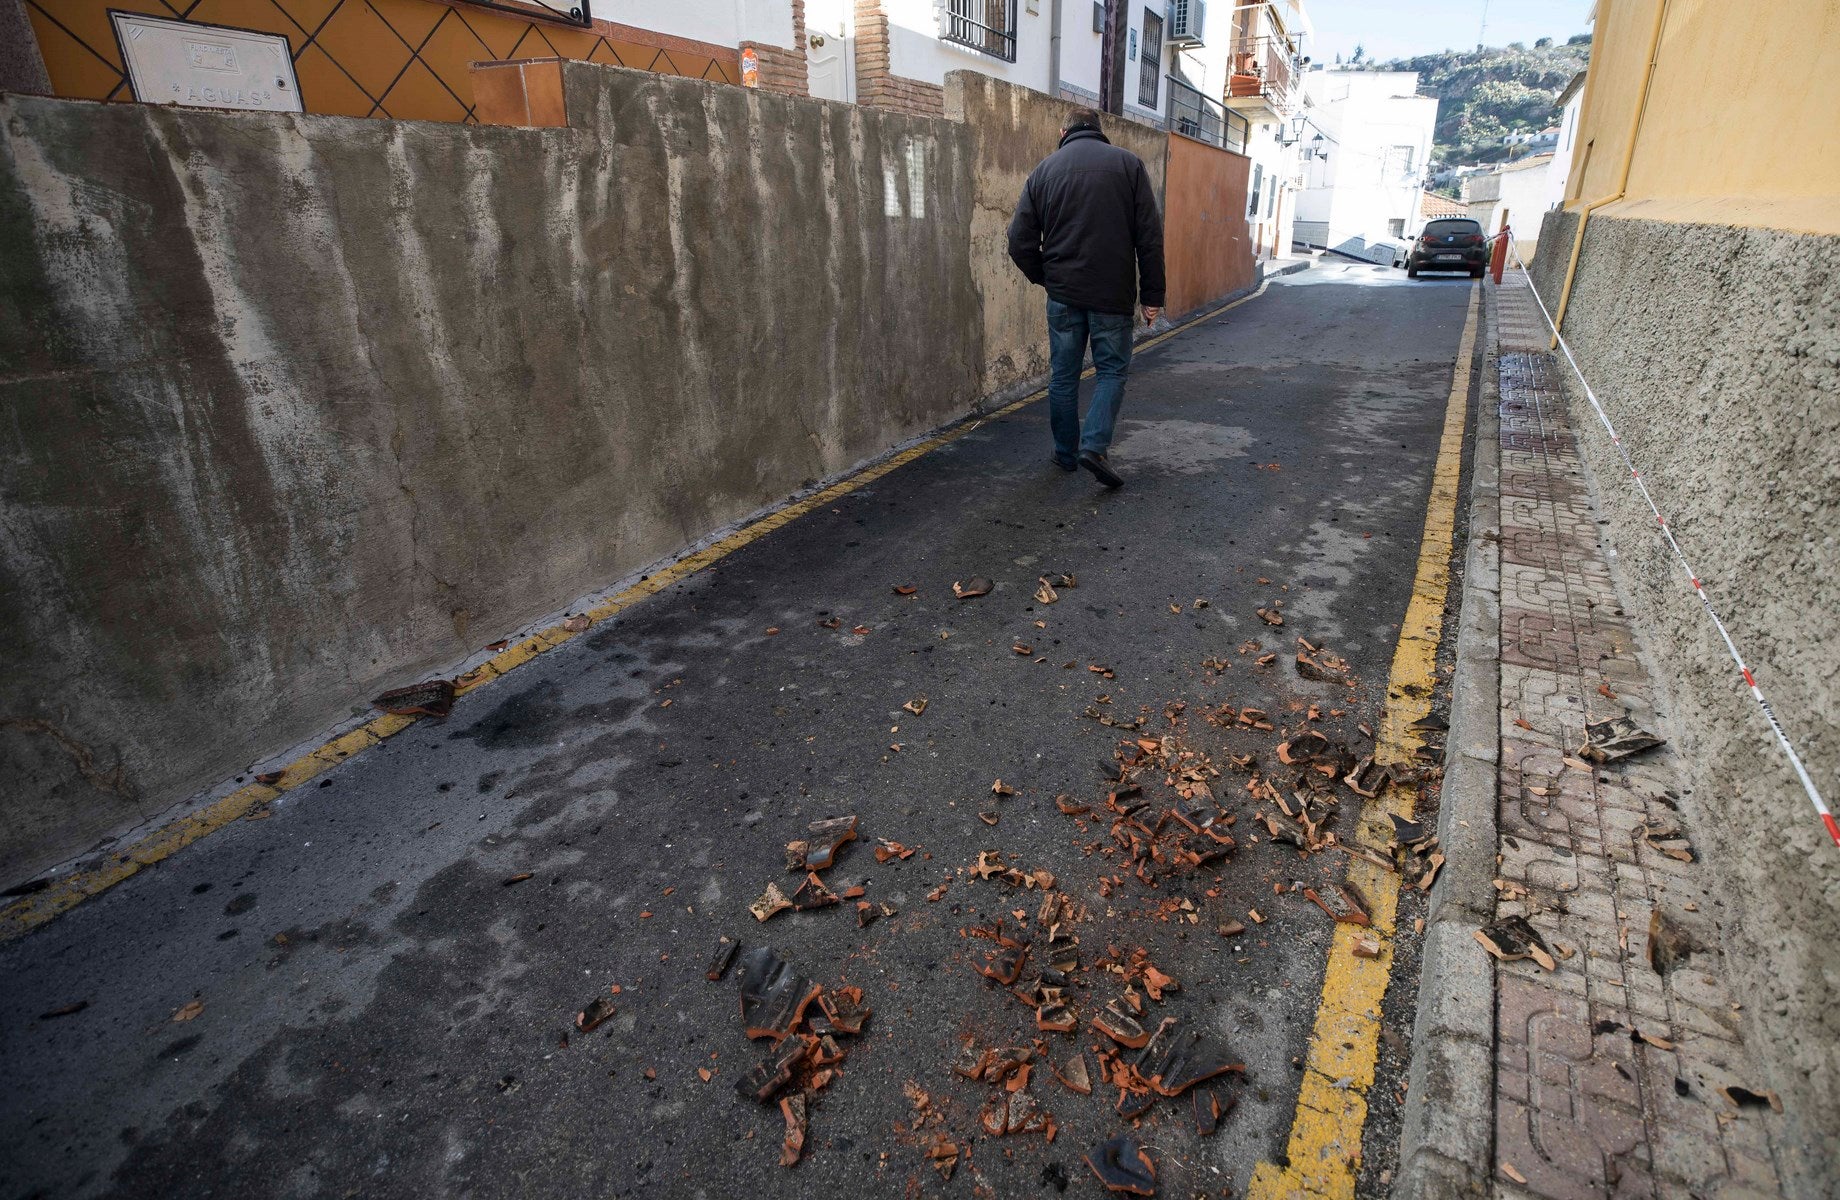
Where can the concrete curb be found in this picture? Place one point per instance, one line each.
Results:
(1447, 1140)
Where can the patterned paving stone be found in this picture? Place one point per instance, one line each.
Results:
(1606, 1069)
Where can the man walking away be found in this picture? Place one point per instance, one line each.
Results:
(1087, 229)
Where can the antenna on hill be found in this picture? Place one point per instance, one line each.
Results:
(1482, 33)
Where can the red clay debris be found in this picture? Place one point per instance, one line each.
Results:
(886, 851)
(977, 585)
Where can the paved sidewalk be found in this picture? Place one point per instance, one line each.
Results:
(1606, 1068)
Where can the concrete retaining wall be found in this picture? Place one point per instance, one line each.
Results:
(1012, 129)
(1716, 351)
(296, 408)
(1206, 241)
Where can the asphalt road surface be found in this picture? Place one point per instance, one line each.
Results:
(386, 1013)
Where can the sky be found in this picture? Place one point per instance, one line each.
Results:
(1402, 28)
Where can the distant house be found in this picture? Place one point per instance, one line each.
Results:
(1544, 139)
(1365, 159)
(1515, 192)
(1431, 206)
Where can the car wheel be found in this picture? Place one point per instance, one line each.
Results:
(1477, 272)
(1411, 271)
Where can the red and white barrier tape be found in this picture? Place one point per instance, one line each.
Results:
(1750, 681)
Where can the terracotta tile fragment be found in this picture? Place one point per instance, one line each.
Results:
(1122, 1166)
(719, 961)
(773, 996)
(793, 1109)
(598, 1010)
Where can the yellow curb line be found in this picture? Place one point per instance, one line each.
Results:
(1324, 1152)
(28, 913)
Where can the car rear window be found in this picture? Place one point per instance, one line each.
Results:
(1453, 225)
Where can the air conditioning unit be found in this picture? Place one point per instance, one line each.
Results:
(1185, 18)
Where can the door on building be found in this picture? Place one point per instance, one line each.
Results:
(830, 57)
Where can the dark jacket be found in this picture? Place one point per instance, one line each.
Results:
(1087, 228)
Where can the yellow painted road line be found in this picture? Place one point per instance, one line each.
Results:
(1324, 1152)
(28, 913)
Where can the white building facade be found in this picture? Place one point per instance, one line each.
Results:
(1366, 151)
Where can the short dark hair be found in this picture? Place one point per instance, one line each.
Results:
(1079, 117)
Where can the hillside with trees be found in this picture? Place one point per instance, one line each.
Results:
(1490, 91)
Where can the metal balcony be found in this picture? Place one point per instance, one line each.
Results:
(1264, 75)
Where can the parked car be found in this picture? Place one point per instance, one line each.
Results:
(1449, 244)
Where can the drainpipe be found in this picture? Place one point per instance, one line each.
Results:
(1054, 49)
(1622, 182)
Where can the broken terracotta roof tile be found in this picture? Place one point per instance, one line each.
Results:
(598, 1010)
(771, 901)
(793, 1109)
(972, 1062)
(1005, 965)
(1179, 1056)
(813, 894)
(843, 1008)
(1209, 1110)
(720, 960)
(1341, 902)
(886, 850)
(1120, 1027)
(1122, 1166)
(768, 1077)
(1513, 938)
(434, 698)
(1073, 1073)
(773, 996)
(827, 837)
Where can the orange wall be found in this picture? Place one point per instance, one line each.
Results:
(407, 59)
(1206, 246)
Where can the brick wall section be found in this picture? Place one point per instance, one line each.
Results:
(876, 83)
(783, 70)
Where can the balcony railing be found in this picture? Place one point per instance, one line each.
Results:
(1194, 115)
(1262, 69)
(985, 25)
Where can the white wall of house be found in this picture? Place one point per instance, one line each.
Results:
(1363, 178)
(917, 51)
(721, 22)
(1080, 54)
(1559, 174)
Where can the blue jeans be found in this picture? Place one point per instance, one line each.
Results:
(1069, 331)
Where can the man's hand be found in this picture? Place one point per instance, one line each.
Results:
(1151, 314)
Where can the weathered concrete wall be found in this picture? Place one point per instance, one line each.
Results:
(1012, 129)
(295, 408)
(1717, 353)
(1206, 240)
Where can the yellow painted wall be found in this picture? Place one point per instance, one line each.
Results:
(1742, 125)
(407, 59)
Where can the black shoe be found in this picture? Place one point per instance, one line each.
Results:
(1102, 470)
(1066, 466)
